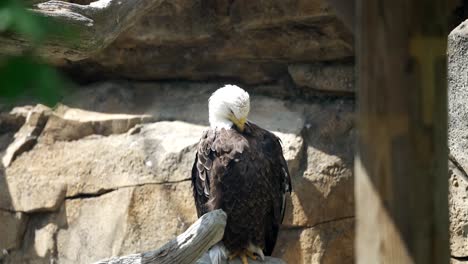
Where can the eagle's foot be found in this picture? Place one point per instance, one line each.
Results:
(244, 255)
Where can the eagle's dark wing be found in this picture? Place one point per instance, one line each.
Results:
(201, 172)
(215, 152)
(279, 178)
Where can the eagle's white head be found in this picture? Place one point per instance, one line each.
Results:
(227, 106)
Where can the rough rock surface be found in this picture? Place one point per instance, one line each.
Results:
(325, 243)
(26, 137)
(458, 199)
(93, 195)
(70, 124)
(321, 190)
(323, 77)
(458, 93)
(249, 41)
(11, 229)
(458, 143)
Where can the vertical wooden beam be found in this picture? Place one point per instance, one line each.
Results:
(401, 164)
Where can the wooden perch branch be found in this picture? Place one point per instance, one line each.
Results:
(97, 25)
(189, 246)
(185, 248)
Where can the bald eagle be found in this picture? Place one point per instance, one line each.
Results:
(239, 167)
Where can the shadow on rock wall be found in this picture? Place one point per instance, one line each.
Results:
(13, 224)
(319, 223)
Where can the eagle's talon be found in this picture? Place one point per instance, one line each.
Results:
(243, 255)
(244, 258)
(250, 254)
(232, 256)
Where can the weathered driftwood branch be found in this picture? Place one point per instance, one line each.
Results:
(96, 25)
(184, 249)
(189, 246)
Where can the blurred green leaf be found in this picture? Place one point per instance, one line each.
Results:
(6, 19)
(28, 24)
(26, 75)
(16, 18)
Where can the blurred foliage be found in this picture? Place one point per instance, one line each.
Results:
(27, 75)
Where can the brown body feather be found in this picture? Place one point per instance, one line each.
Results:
(246, 175)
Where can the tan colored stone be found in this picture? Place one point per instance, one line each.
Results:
(161, 152)
(293, 150)
(38, 244)
(329, 243)
(322, 194)
(44, 240)
(82, 231)
(12, 226)
(156, 214)
(26, 137)
(67, 124)
(124, 221)
(458, 209)
(30, 194)
(94, 228)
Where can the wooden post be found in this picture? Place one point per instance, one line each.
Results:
(401, 183)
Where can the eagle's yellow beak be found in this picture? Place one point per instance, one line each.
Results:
(239, 123)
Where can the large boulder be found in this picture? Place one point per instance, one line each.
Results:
(110, 189)
(249, 41)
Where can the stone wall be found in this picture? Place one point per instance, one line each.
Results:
(92, 185)
(107, 173)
